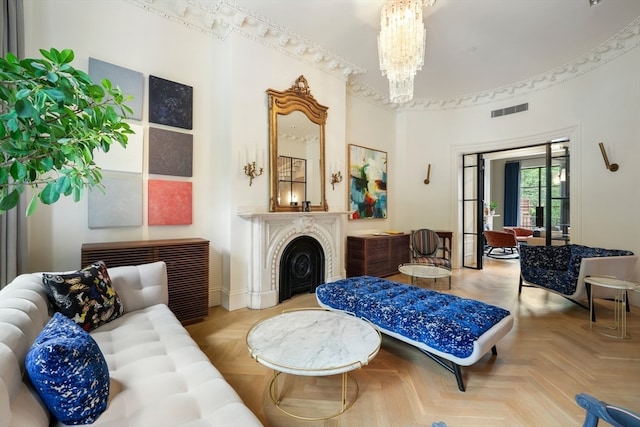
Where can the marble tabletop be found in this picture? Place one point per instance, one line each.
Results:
(424, 270)
(612, 282)
(313, 342)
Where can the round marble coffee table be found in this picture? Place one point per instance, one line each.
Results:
(313, 342)
(427, 271)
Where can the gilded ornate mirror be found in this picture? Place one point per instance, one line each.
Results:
(296, 149)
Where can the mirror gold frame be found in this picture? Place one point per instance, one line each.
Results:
(297, 98)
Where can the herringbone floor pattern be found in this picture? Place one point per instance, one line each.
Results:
(549, 356)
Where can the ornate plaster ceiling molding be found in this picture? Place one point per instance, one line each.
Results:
(367, 93)
(220, 18)
(625, 40)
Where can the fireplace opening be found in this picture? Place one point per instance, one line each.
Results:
(301, 267)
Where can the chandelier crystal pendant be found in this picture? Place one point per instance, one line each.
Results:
(401, 45)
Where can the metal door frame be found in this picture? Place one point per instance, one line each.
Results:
(479, 195)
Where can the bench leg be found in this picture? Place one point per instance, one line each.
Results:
(454, 368)
(458, 373)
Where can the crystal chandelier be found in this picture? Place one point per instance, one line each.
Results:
(401, 45)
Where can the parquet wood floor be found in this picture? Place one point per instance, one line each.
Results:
(549, 356)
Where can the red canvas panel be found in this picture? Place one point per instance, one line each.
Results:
(170, 202)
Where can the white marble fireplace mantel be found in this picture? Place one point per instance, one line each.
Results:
(271, 232)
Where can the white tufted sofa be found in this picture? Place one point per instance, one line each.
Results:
(159, 375)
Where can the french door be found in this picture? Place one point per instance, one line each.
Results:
(550, 211)
(472, 206)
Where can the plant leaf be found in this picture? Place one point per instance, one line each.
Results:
(32, 205)
(24, 108)
(49, 194)
(10, 200)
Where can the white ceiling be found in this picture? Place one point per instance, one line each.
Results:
(472, 45)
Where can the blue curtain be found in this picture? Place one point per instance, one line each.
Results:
(511, 193)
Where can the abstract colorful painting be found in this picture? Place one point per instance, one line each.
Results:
(367, 182)
(170, 103)
(170, 202)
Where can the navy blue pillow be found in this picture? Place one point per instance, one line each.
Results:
(69, 371)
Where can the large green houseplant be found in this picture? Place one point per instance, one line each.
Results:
(53, 117)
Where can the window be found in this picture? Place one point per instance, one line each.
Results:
(533, 196)
(292, 180)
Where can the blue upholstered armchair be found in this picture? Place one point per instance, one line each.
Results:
(562, 269)
(612, 414)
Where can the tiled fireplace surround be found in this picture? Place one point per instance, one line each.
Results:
(271, 232)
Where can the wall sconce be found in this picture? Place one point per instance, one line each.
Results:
(335, 179)
(426, 181)
(610, 166)
(252, 171)
(250, 167)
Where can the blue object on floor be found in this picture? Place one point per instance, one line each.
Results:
(615, 415)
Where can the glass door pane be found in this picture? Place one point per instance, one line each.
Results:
(472, 189)
(560, 207)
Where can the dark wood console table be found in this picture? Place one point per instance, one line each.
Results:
(376, 255)
(187, 269)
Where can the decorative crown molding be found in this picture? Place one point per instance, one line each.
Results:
(220, 18)
(622, 42)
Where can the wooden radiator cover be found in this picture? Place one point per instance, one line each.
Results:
(187, 269)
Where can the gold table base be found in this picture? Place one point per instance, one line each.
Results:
(277, 399)
(619, 327)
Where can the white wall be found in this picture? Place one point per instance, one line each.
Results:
(230, 77)
(599, 106)
(372, 127)
(146, 43)
(249, 125)
(229, 80)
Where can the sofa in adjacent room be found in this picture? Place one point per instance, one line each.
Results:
(137, 365)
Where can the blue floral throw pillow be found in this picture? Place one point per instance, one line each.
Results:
(86, 296)
(69, 372)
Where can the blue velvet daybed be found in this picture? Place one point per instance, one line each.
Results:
(451, 330)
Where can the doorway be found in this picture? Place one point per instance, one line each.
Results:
(527, 186)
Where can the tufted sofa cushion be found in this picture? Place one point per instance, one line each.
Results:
(158, 374)
(23, 313)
